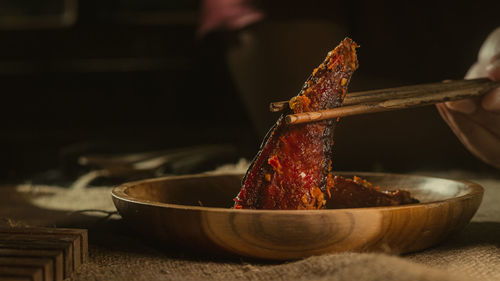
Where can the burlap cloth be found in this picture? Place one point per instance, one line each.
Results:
(118, 254)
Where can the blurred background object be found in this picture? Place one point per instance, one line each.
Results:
(128, 76)
(33, 14)
(115, 81)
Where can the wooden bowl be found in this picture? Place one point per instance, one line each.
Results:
(194, 211)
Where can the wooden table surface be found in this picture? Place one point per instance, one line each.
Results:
(116, 253)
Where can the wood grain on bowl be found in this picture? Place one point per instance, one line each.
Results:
(195, 211)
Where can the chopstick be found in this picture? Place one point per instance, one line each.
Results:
(372, 101)
(365, 96)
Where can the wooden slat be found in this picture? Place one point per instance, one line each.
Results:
(82, 234)
(14, 278)
(55, 255)
(65, 247)
(58, 252)
(45, 264)
(28, 238)
(19, 273)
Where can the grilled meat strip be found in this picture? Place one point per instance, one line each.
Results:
(293, 165)
(359, 193)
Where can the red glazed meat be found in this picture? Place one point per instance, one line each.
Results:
(359, 193)
(294, 162)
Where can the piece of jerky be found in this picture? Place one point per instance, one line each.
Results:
(358, 193)
(294, 162)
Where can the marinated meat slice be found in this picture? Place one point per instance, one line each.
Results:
(293, 164)
(358, 193)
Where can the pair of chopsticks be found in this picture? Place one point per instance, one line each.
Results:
(372, 101)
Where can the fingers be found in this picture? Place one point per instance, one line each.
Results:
(477, 70)
(466, 106)
(476, 122)
(493, 68)
(477, 132)
(490, 47)
(491, 101)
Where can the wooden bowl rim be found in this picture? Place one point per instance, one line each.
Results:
(119, 193)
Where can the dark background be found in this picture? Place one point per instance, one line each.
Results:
(89, 76)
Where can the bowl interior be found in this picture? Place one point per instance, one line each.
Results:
(219, 190)
(207, 191)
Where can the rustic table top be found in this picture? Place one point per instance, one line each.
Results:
(116, 253)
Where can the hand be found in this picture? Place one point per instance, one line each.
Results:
(476, 122)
